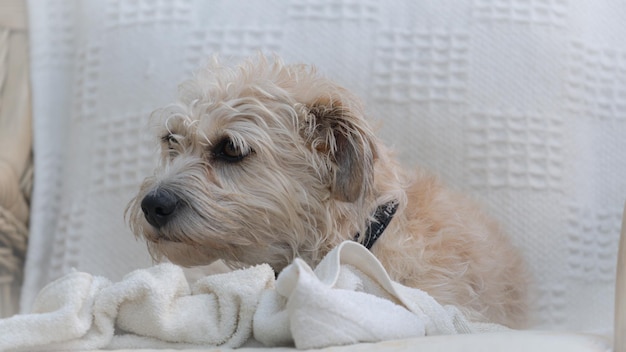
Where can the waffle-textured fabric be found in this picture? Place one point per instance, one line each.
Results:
(520, 103)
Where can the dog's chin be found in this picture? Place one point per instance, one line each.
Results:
(179, 253)
(153, 235)
(161, 245)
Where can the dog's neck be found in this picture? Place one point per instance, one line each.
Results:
(382, 217)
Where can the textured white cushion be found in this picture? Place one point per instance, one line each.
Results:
(520, 103)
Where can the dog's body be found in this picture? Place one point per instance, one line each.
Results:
(265, 162)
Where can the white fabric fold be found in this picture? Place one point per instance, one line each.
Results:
(149, 308)
(349, 298)
(62, 314)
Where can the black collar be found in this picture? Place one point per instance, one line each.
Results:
(383, 215)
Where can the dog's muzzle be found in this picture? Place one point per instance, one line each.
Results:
(159, 207)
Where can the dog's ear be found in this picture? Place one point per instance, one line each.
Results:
(341, 134)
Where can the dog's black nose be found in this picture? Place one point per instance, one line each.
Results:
(159, 207)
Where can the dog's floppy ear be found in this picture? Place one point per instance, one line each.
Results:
(339, 132)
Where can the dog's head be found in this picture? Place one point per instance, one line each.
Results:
(260, 163)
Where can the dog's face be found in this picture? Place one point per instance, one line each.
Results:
(260, 163)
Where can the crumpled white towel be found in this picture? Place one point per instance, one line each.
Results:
(349, 298)
(149, 308)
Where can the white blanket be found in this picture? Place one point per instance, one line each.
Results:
(518, 103)
(349, 298)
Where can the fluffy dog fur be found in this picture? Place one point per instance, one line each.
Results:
(268, 162)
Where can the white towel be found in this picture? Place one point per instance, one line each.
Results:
(349, 298)
(149, 308)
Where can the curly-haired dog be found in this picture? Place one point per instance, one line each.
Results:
(266, 162)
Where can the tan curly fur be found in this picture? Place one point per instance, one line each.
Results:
(310, 176)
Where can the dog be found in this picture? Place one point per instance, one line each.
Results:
(264, 162)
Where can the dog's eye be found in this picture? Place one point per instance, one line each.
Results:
(228, 151)
(169, 140)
